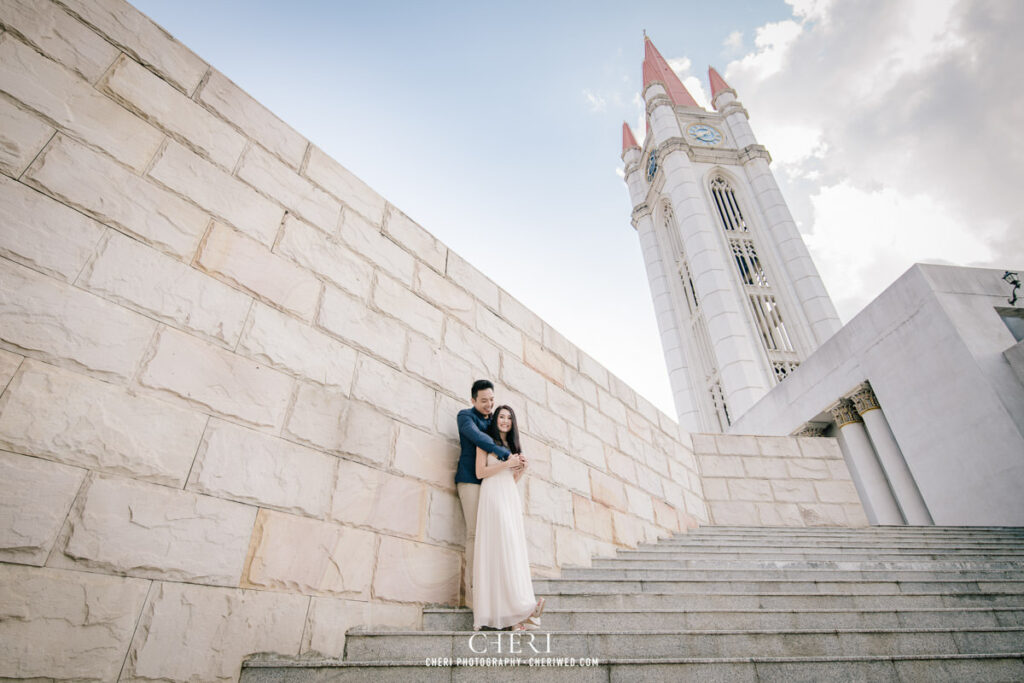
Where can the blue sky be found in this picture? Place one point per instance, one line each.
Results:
(496, 126)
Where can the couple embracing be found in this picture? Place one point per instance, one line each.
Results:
(498, 585)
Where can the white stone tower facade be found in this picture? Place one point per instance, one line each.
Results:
(738, 300)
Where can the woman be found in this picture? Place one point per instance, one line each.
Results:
(502, 587)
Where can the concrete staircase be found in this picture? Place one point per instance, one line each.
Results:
(738, 604)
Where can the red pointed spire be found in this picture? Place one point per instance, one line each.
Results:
(657, 69)
(628, 141)
(718, 83)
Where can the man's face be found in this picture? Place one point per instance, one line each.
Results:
(484, 401)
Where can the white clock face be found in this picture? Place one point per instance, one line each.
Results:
(704, 134)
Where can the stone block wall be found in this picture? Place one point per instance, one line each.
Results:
(229, 372)
(776, 481)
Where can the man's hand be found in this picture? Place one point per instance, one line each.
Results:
(523, 463)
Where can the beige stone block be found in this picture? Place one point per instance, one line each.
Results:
(521, 317)
(750, 489)
(216, 379)
(627, 530)
(765, 468)
(376, 247)
(544, 362)
(638, 425)
(41, 233)
(245, 263)
(436, 365)
(592, 369)
(540, 542)
(351, 320)
(22, 135)
(158, 102)
(269, 175)
(416, 572)
(794, 491)
(343, 184)
(124, 526)
(695, 507)
(628, 443)
(819, 447)
(729, 444)
(855, 515)
(822, 514)
(400, 302)
(570, 473)
(521, 378)
(70, 102)
(721, 465)
(649, 481)
(600, 424)
(607, 491)
(416, 240)
(63, 416)
(611, 406)
(648, 411)
(253, 119)
(592, 518)
(318, 417)
(704, 443)
(444, 416)
(548, 426)
(786, 446)
(297, 555)
(9, 363)
(464, 274)
(779, 514)
(445, 294)
(807, 469)
(639, 503)
(183, 618)
(240, 464)
(548, 502)
(287, 344)
(734, 514)
(62, 625)
(565, 404)
(581, 385)
(330, 618)
(680, 473)
(665, 515)
(66, 326)
(445, 520)
(394, 392)
(137, 35)
(571, 548)
(367, 433)
(836, 492)
(499, 331)
(426, 456)
(538, 456)
(837, 469)
(35, 496)
(104, 190)
(587, 447)
(385, 502)
(622, 391)
(674, 494)
(54, 32)
(325, 256)
(218, 192)
(621, 464)
(129, 273)
(560, 346)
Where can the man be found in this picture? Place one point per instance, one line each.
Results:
(473, 425)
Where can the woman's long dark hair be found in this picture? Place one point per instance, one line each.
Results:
(513, 434)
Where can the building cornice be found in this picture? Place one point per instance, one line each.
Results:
(639, 211)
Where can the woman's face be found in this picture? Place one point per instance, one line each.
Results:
(504, 421)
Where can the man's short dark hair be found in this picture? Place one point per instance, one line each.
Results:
(480, 385)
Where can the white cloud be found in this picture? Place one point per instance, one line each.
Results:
(595, 102)
(734, 41)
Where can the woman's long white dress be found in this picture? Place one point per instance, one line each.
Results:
(502, 587)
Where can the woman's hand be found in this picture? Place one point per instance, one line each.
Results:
(514, 461)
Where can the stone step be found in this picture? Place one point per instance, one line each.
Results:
(461, 619)
(954, 668)
(820, 555)
(901, 544)
(880, 529)
(841, 565)
(780, 601)
(705, 586)
(370, 645)
(796, 574)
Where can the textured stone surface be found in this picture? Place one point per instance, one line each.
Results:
(499, 331)
(586, 446)
(9, 363)
(217, 379)
(592, 518)
(520, 377)
(330, 618)
(448, 296)
(77, 420)
(446, 370)
(416, 572)
(607, 490)
(417, 240)
(382, 501)
(339, 181)
(548, 426)
(570, 473)
(275, 179)
(217, 627)
(130, 273)
(482, 356)
(35, 496)
(218, 192)
(318, 417)
(571, 548)
(394, 392)
(544, 362)
(243, 262)
(540, 542)
(462, 273)
(67, 326)
(376, 247)
(294, 554)
(426, 456)
(325, 256)
(401, 303)
(64, 98)
(66, 625)
(159, 102)
(351, 320)
(43, 234)
(520, 316)
(22, 135)
(445, 519)
(82, 178)
(287, 344)
(549, 502)
(367, 433)
(251, 467)
(123, 526)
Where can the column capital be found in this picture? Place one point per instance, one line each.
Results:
(844, 413)
(812, 429)
(864, 398)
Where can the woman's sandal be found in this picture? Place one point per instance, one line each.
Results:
(538, 610)
(521, 626)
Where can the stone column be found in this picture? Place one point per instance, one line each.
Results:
(908, 496)
(868, 477)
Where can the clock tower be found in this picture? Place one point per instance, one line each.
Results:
(738, 300)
